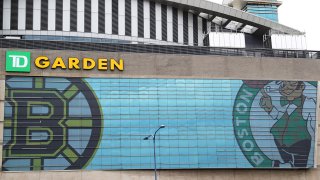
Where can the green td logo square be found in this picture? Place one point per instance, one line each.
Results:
(17, 61)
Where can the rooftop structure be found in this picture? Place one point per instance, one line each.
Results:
(157, 22)
(263, 8)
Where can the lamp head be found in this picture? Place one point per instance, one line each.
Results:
(162, 126)
(147, 137)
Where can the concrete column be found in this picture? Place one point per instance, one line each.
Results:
(66, 15)
(134, 18)
(146, 16)
(122, 17)
(108, 17)
(158, 22)
(51, 15)
(2, 99)
(6, 13)
(317, 134)
(169, 24)
(22, 14)
(238, 4)
(94, 16)
(190, 29)
(80, 16)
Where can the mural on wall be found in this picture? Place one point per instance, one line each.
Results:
(288, 115)
(50, 125)
(95, 123)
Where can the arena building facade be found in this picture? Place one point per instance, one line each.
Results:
(83, 82)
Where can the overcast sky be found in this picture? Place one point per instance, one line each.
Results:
(302, 15)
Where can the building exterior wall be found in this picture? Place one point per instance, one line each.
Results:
(266, 8)
(85, 19)
(177, 66)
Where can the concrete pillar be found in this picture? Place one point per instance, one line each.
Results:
(238, 4)
(2, 99)
(317, 134)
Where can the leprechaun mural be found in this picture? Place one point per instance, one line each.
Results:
(293, 128)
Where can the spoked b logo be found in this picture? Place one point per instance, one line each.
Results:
(17, 61)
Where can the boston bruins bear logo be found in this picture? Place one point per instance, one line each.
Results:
(50, 124)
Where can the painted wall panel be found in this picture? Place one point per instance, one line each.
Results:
(100, 123)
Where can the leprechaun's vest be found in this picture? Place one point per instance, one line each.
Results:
(290, 129)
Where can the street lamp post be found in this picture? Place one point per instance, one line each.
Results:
(154, 149)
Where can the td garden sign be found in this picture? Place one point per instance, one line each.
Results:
(21, 62)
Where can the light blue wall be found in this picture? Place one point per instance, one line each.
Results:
(209, 123)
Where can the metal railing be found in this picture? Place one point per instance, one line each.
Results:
(160, 49)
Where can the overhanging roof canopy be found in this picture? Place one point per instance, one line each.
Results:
(213, 9)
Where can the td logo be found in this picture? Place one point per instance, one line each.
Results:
(17, 61)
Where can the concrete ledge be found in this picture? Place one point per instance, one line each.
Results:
(312, 174)
(183, 66)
